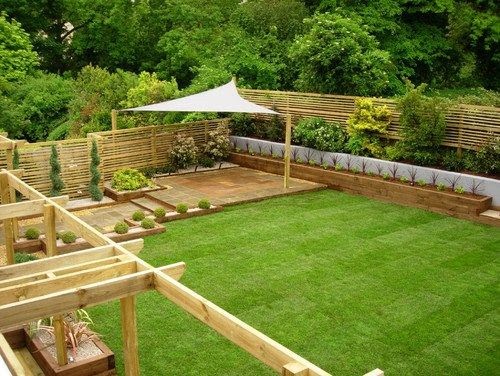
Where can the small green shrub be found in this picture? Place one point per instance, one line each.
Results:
(129, 179)
(441, 186)
(338, 167)
(204, 204)
(184, 151)
(403, 179)
(452, 161)
(312, 162)
(386, 176)
(68, 237)
(318, 134)
(205, 161)
(147, 223)
(138, 215)
(325, 166)
(159, 212)
(486, 159)
(421, 183)
(460, 189)
(121, 227)
(32, 233)
(355, 170)
(20, 257)
(181, 208)
(217, 146)
(242, 124)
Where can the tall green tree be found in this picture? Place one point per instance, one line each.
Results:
(337, 55)
(95, 176)
(17, 57)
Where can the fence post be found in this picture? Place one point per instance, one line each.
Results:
(9, 158)
(153, 147)
(460, 125)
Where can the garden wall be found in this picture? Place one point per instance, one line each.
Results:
(135, 148)
(466, 126)
(486, 186)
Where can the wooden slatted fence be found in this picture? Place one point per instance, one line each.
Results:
(136, 148)
(468, 126)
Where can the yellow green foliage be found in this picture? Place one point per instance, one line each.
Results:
(368, 118)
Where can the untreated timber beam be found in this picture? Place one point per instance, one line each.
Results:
(56, 262)
(10, 358)
(77, 279)
(75, 298)
(259, 345)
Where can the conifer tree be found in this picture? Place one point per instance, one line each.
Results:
(55, 173)
(95, 175)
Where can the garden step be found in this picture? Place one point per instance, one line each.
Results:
(491, 217)
(149, 204)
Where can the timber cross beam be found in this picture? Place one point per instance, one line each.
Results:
(111, 271)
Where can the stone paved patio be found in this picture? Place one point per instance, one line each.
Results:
(229, 186)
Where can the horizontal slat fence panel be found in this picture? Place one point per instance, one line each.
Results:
(135, 148)
(467, 126)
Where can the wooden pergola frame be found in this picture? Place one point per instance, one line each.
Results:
(106, 272)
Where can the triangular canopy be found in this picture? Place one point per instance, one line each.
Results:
(224, 98)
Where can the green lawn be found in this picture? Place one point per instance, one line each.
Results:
(349, 283)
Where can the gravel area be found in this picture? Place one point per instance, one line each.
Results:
(85, 350)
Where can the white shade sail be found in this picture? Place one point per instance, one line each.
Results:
(224, 98)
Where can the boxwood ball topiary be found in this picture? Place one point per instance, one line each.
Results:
(121, 227)
(68, 237)
(138, 216)
(32, 233)
(204, 204)
(147, 223)
(159, 212)
(181, 208)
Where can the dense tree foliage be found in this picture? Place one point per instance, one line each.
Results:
(96, 55)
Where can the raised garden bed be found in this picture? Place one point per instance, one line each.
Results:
(24, 245)
(465, 205)
(102, 364)
(122, 196)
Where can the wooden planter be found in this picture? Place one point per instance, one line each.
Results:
(465, 206)
(24, 245)
(99, 365)
(123, 196)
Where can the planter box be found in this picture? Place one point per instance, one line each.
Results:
(196, 212)
(459, 205)
(135, 232)
(102, 364)
(24, 245)
(123, 196)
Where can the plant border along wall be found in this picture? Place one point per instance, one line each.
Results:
(485, 186)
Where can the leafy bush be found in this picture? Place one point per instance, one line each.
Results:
(147, 223)
(217, 146)
(68, 237)
(441, 186)
(460, 189)
(422, 123)
(318, 134)
(20, 257)
(452, 161)
(32, 233)
(159, 212)
(121, 227)
(181, 208)
(95, 175)
(241, 125)
(204, 204)
(138, 215)
(129, 179)
(57, 184)
(272, 129)
(184, 151)
(486, 159)
(205, 161)
(365, 125)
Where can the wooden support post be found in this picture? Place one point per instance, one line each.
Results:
(114, 116)
(129, 335)
(9, 158)
(61, 351)
(294, 369)
(7, 223)
(49, 220)
(288, 136)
